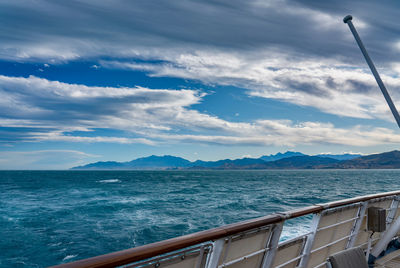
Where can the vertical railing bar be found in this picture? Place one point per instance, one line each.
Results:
(273, 242)
(357, 225)
(216, 253)
(310, 240)
(227, 249)
(200, 258)
(392, 211)
(391, 214)
(266, 244)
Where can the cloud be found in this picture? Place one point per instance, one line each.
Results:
(295, 51)
(286, 133)
(60, 136)
(37, 109)
(73, 30)
(329, 85)
(43, 159)
(59, 104)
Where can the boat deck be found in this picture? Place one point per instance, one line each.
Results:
(391, 260)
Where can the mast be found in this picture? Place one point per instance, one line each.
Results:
(371, 65)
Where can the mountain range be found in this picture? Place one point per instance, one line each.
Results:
(287, 160)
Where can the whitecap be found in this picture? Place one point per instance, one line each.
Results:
(69, 257)
(55, 244)
(109, 181)
(290, 232)
(132, 200)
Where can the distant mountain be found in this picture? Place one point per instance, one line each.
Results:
(226, 163)
(300, 162)
(278, 156)
(102, 165)
(285, 161)
(374, 161)
(340, 156)
(166, 161)
(151, 162)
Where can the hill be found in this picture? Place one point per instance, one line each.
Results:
(386, 160)
(288, 160)
(151, 162)
(166, 161)
(340, 156)
(301, 162)
(278, 156)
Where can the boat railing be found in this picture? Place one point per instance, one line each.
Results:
(335, 226)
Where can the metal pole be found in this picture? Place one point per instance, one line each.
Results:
(371, 65)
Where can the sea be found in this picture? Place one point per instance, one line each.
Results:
(53, 217)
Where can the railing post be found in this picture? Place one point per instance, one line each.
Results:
(391, 214)
(392, 211)
(310, 240)
(200, 258)
(216, 253)
(357, 225)
(272, 245)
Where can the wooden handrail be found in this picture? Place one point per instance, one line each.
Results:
(150, 250)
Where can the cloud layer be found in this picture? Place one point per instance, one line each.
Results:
(41, 110)
(295, 51)
(330, 86)
(79, 29)
(298, 52)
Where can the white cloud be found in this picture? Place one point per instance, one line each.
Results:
(59, 136)
(286, 133)
(52, 103)
(304, 59)
(330, 86)
(55, 111)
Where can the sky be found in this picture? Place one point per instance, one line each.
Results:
(88, 81)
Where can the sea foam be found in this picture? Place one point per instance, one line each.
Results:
(69, 257)
(109, 181)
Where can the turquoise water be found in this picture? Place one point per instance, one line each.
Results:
(52, 217)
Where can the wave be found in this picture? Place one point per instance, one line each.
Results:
(69, 257)
(109, 181)
(290, 232)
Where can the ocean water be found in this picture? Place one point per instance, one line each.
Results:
(52, 217)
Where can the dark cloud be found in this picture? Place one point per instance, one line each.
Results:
(383, 25)
(71, 29)
(305, 87)
(360, 87)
